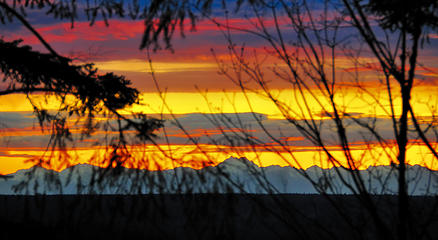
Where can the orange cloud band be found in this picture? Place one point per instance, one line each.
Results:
(162, 157)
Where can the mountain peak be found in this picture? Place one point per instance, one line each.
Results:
(240, 163)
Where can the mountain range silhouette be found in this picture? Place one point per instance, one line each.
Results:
(233, 175)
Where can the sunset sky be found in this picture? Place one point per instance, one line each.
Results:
(211, 107)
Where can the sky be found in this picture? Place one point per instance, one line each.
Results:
(207, 114)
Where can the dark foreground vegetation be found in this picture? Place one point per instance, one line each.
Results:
(202, 216)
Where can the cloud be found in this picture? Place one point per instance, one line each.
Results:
(63, 32)
(16, 120)
(141, 65)
(207, 139)
(243, 129)
(230, 129)
(364, 68)
(433, 35)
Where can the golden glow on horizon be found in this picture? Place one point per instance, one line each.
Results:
(13, 158)
(350, 101)
(154, 157)
(139, 65)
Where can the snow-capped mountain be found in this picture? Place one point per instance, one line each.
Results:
(231, 176)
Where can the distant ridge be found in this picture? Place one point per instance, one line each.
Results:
(230, 176)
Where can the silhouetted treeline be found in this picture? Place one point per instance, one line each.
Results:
(197, 216)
